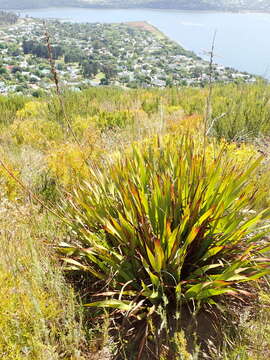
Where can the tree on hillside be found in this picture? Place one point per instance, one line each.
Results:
(8, 17)
(89, 68)
(41, 50)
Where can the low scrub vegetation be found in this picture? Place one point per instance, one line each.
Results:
(121, 203)
(40, 316)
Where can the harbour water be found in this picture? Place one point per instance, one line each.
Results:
(241, 41)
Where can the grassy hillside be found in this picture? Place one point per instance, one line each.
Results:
(76, 177)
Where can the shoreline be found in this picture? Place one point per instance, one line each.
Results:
(145, 25)
(73, 14)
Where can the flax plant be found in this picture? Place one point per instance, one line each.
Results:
(167, 224)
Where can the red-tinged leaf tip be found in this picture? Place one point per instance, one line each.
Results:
(267, 260)
(232, 293)
(246, 293)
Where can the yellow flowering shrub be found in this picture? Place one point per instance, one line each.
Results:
(80, 125)
(171, 109)
(8, 186)
(38, 133)
(32, 109)
(38, 312)
(243, 155)
(68, 162)
(263, 180)
(86, 130)
(180, 123)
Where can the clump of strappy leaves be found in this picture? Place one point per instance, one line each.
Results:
(169, 219)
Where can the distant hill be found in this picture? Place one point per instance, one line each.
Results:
(229, 5)
(27, 4)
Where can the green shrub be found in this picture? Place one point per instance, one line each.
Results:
(109, 120)
(9, 105)
(165, 225)
(237, 112)
(150, 103)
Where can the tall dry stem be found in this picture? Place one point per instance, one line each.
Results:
(56, 81)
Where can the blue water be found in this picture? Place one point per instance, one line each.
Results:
(242, 39)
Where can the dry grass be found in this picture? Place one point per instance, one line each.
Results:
(40, 318)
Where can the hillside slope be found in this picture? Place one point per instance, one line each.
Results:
(40, 313)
